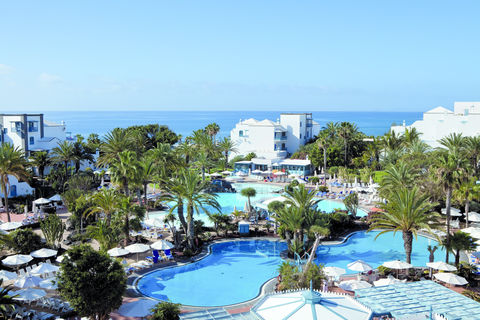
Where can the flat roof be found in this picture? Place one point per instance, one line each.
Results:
(403, 300)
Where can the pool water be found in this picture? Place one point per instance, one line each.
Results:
(363, 246)
(330, 206)
(230, 201)
(235, 270)
(232, 273)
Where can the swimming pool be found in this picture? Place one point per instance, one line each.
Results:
(329, 206)
(230, 201)
(235, 270)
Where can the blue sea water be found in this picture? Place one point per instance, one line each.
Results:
(184, 122)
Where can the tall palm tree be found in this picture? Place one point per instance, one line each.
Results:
(407, 211)
(186, 150)
(323, 143)
(302, 198)
(127, 211)
(465, 192)
(40, 160)
(204, 162)
(319, 232)
(227, 146)
(79, 154)
(411, 136)
(212, 130)
(146, 174)
(104, 233)
(63, 153)
(473, 150)
(196, 200)
(450, 165)
(12, 162)
(125, 170)
(105, 202)
(346, 131)
(291, 219)
(114, 142)
(402, 174)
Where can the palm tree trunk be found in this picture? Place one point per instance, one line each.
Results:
(467, 208)
(447, 205)
(145, 186)
(181, 217)
(407, 244)
(324, 166)
(312, 253)
(345, 157)
(457, 258)
(66, 169)
(127, 229)
(191, 228)
(226, 160)
(5, 195)
(203, 173)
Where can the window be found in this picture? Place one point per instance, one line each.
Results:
(13, 191)
(32, 126)
(300, 136)
(240, 133)
(16, 126)
(32, 140)
(300, 123)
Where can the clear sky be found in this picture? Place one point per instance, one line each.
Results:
(234, 55)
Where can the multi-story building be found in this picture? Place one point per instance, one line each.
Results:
(30, 133)
(440, 122)
(274, 140)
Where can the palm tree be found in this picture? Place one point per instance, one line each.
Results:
(411, 136)
(146, 174)
(249, 193)
(346, 131)
(79, 154)
(106, 202)
(212, 130)
(185, 149)
(114, 142)
(392, 145)
(319, 232)
(12, 162)
(204, 162)
(63, 153)
(460, 241)
(7, 302)
(323, 143)
(125, 170)
(104, 233)
(465, 192)
(227, 146)
(127, 209)
(196, 200)
(301, 198)
(473, 150)
(170, 219)
(402, 174)
(407, 211)
(291, 219)
(40, 160)
(450, 168)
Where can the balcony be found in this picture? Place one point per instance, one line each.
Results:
(280, 138)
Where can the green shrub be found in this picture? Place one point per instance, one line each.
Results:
(384, 271)
(25, 241)
(166, 310)
(323, 189)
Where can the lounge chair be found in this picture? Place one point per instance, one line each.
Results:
(168, 254)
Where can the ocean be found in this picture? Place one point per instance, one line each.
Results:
(184, 122)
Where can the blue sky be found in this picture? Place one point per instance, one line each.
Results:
(235, 55)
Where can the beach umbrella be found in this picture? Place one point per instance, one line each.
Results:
(28, 281)
(139, 309)
(226, 172)
(55, 198)
(454, 212)
(59, 259)
(17, 260)
(137, 248)
(29, 294)
(397, 264)
(352, 285)
(334, 271)
(154, 222)
(386, 281)
(216, 174)
(360, 266)
(117, 252)
(474, 216)
(41, 201)
(256, 171)
(440, 265)
(7, 226)
(451, 278)
(280, 173)
(245, 209)
(162, 245)
(472, 231)
(7, 275)
(49, 284)
(267, 172)
(242, 174)
(44, 253)
(45, 268)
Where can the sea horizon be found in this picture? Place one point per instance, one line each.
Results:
(372, 123)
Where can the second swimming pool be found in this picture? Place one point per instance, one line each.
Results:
(235, 270)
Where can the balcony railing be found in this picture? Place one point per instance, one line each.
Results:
(281, 138)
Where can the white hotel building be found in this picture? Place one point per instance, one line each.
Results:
(440, 122)
(30, 133)
(273, 142)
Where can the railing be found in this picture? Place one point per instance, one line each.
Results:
(282, 138)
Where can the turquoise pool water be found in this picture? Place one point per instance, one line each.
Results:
(230, 201)
(329, 206)
(235, 270)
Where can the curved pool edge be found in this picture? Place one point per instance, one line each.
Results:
(264, 288)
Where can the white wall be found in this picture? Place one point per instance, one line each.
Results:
(23, 188)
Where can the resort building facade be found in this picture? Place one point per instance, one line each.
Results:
(440, 122)
(30, 133)
(288, 166)
(273, 140)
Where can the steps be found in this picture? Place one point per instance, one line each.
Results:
(216, 314)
